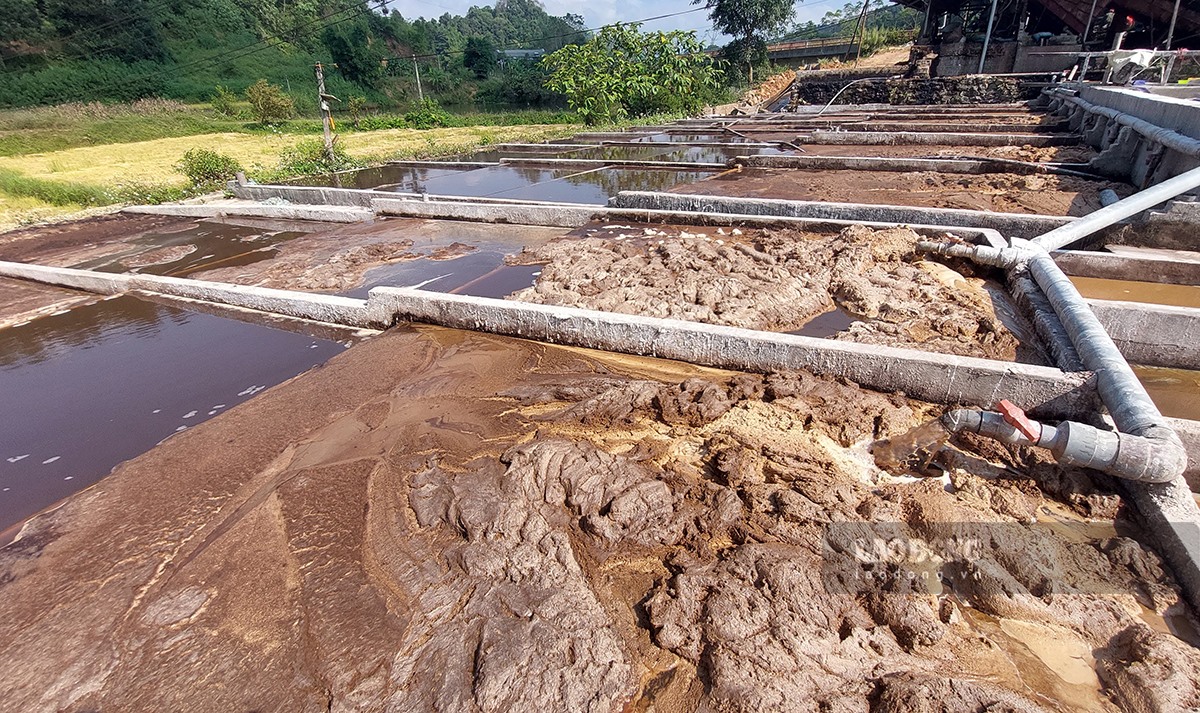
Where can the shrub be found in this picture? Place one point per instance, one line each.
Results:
(268, 102)
(356, 106)
(308, 157)
(203, 166)
(428, 114)
(223, 101)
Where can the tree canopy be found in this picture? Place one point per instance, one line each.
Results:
(625, 72)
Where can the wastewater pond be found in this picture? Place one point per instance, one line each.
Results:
(90, 387)
(594, 186)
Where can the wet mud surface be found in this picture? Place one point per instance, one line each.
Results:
(395, 252)
(780, 281)
(63, 244)
(444, 520)
(1003, 192)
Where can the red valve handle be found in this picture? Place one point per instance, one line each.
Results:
(1015, 417)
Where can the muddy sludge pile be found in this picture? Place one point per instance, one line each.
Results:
(780, 281)
(578, 531)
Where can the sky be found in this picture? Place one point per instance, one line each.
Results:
(603, 12)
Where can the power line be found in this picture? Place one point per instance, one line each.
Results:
(516, 45)
(92, 28)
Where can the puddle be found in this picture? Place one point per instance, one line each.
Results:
(203, 246)
(1129, 291)
(501, 282)
(374, 177)
(89, 388)
(1176, 392)
(436, 275)
(1043, 657)
(826, 324)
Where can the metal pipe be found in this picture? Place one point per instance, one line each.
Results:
(987, 37)
(1171, 29)
(1098, 220)
(1087, 27)
(1118, 387)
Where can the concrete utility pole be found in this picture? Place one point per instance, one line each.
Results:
(326, 112)
(987, 37)
(417, 69)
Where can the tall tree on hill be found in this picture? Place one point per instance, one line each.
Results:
(479, 56)
(749, 22)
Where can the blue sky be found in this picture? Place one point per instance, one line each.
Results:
(601, 12)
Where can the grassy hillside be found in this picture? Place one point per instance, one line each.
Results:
(55, 51)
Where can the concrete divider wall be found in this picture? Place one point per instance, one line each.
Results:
(940, 378)
(289, 211)
(1149, 268)
(322, 308)
(915, 138)
(1010, 224)
(575, 215)
(1151, 334)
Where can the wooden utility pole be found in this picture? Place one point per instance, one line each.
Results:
(326, 113)
(420, 94)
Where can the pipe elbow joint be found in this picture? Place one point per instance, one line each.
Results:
(1156, 458)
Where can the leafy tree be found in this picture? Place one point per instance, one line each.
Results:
(357, 52)
(268, 102)
(624, 72)
(749, 22)
(479, 56)
(519, 84)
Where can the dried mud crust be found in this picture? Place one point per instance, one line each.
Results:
(447, 521)
(779, 280)
(1042, 194)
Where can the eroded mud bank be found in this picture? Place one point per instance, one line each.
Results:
(443, 520)
(780, 279)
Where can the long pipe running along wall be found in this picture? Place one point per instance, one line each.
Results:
(1145, 449)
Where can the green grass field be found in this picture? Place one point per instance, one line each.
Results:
(55, 161)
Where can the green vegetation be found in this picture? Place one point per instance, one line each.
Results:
(268, 103)
(749, 22)
(54, 51)
(53, 192)
(885, 26)
(623, 72)
(70, 194)
(309, 158)
(204, 166)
